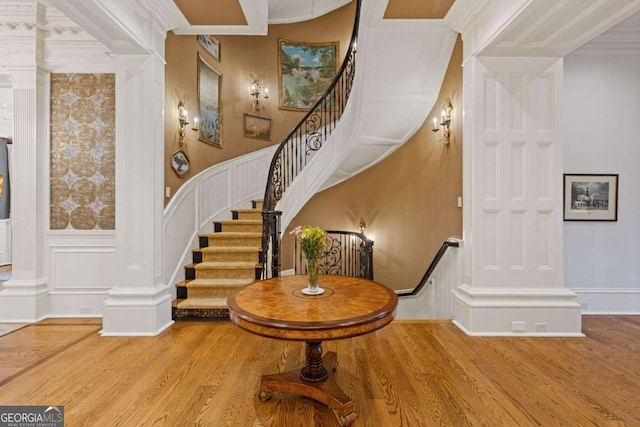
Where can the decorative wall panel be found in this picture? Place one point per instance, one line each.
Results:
(82, 152)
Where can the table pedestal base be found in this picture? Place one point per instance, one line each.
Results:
(325, 391)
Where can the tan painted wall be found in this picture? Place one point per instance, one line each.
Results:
(241, 56)
(408, 201)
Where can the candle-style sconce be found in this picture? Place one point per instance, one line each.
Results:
(445, 123)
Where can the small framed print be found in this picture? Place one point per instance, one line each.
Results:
(590, 197)
(257, 127)
(180, 163)
(211, 45)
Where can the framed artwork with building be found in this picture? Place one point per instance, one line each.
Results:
(590, 197)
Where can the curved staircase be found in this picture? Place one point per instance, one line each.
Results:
(227, 259)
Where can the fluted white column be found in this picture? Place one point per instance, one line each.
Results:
(25, 296)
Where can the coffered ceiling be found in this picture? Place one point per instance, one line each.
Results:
(248, 17)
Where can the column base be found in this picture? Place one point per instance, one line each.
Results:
(24, 301)
(548, 312)
(136, 312)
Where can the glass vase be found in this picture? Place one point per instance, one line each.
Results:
(312, 276)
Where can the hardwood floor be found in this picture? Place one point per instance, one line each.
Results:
(411, 373)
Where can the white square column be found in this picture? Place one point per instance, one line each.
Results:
(139, 303)
(512, 184)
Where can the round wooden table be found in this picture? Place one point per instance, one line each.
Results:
(277, 308)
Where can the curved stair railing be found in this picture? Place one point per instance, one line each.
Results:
(349, 254)
(298, 148)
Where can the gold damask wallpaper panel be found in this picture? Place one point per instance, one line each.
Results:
(83, 151)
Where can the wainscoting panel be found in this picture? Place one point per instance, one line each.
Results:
(518, 170)
(491, 110)
(492, 170)
(214, 196)
(209, 196)
(81, 271)
(518, 242)
(518, 103)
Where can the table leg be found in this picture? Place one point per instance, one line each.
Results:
(313, 381)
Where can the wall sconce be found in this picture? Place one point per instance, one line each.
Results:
(445, 122)
(255, 95)
(362, 226)
(183, 121)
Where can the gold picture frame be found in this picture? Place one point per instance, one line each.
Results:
(305, 71)
(257, 127)
(209, 103)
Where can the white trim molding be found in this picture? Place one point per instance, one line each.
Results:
(613, 301)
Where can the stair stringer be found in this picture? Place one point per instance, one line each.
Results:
(400, 67)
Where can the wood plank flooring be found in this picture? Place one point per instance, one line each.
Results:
(411, 373)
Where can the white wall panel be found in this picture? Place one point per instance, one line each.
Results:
(517, 242)
(543, 103)
(82, 268)
(492, 171)
(518, 170)
(491, 111)
(544, 251)
(491, 239)
(518, 101)
(545, 176)
(214, 195)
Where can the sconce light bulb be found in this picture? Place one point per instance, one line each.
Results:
(195, 120)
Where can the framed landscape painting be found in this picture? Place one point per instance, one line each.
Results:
(211, 45)
(305, 71)
(257, 127)
(209, 91)
(590, 197)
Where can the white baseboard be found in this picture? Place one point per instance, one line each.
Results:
(613, 301)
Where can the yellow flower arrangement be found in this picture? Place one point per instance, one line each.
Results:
(313, 240)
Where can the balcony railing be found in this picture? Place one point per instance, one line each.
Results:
(349, 254)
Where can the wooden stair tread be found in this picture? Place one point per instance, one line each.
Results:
(224, 265)
(223, 249)
(240, 221)
(219, 282)
(203, 303)
(232, 234)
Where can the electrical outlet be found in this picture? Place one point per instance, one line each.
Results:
(518, 326)
(85, 309)
(540, 326)
(167, 191)
(459, 202)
